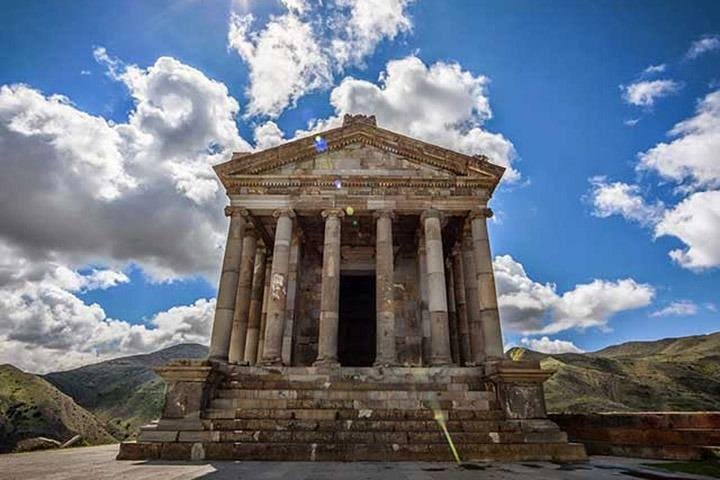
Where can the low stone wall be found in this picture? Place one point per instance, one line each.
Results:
(656, 435)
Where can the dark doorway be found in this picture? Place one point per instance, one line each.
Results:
(356, 336)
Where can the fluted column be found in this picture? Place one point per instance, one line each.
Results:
(242, 297)
(489, 315)
(263, 310)
(461, 306)
(225, 304)
(277, 299)
(452, 313)
(437, 295)
(255, 312)
(477, 342)
(384, 290)
(330, 290)
(426, 352)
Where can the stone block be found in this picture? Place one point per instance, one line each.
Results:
(158, 436)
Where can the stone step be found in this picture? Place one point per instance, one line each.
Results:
(456, 426)
(281, 403)
(352, 437)
(353, 414)
(309, 451)
(352, 394)
(325, 384)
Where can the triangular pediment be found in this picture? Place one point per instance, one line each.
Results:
(360, 159)
(360, 148)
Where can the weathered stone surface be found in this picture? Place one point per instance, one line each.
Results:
(371, 204)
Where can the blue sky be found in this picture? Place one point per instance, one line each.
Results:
(573, 109)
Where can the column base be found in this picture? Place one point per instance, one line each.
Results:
(441, 362)
(271, 362)
(327, 363)
(386, 363)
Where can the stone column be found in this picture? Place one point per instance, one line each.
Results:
(225, 305)
(384, 290)
(256, 301)
(263, 313)
(242, 297)
(277, 300)
(292, 285)
(426, 352)
(487, 296)
(452, 313)
(477, 342)
(437, 295)
(330, 291)
(461, 306)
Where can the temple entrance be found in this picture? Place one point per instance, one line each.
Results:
(356, 336)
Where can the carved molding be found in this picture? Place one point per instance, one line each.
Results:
(231, 211)
(284, 212)
(360, 130)
(333, 212)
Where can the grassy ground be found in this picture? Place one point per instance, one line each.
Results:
(710, 468)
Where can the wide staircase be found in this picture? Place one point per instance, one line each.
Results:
(352, 414)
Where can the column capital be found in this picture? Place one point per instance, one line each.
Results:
(231, 211)
(250, 231)
(284, 212)
(483, 212)
(384, 213)
(333, 212)
(431, 213)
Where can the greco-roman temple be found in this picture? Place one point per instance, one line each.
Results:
(356, 315)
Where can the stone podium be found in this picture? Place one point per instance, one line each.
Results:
(356, 310)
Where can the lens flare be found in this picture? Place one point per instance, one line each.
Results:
(439, 417)
(320, 144)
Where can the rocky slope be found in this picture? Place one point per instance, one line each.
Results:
(670, 374)
(123, 393)
(32, 407)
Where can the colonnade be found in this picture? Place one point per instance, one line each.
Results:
(462, 319)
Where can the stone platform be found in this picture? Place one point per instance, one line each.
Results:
(656, 435)
(349, 414)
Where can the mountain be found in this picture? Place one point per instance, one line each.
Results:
(681, 374)
(123, 393)
(32, 407)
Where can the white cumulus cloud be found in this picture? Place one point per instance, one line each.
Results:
(692, 157)
(530, 307)
(440, 103)
(690, 161)
(81, 198)
(681, 308)
(618, 198)
(545, 345)
(704, 44)
(644, 93)
(301, 50)
(696, 222)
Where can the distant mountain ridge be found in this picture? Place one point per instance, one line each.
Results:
(31, 407)
(125, 392)
(679, 374)
(111, 399)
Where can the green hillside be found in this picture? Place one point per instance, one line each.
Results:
(31, 407)
(123, 393)
(670, 374)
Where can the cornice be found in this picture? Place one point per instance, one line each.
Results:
(238, 182)
(364, 133)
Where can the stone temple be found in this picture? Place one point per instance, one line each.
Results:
(356, 315)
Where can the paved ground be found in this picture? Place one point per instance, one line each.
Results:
(100, 463)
